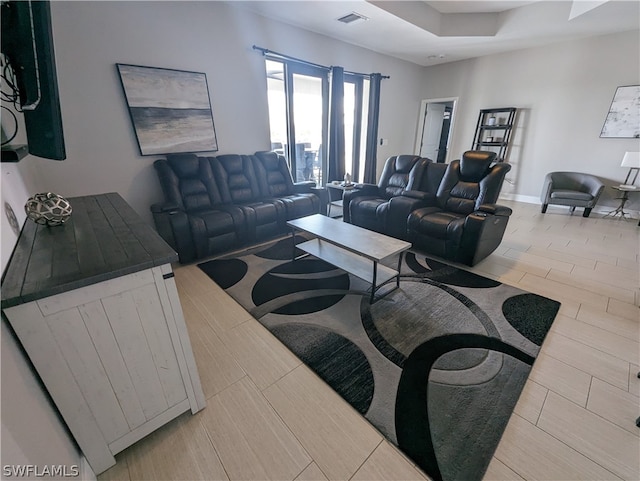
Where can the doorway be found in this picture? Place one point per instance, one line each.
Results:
(435, 126)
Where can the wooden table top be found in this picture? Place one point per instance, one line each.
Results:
(104, 239)
(363, 242)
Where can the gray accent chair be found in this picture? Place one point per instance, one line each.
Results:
(573, 189)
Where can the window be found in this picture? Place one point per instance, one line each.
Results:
(298, 112)
(356, 95)
(298, 96)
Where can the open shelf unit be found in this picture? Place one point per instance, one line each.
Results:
(493, 130)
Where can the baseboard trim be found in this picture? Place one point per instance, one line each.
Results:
(529, 199)
(598, 209)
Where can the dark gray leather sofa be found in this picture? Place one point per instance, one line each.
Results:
(217, 204)
(368, 204)
(451, 213)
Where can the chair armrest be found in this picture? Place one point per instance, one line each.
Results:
(367, 189)
(359, 190)
(547, 187)
(494, 209)
(482, 233)
(164, 207)
(428, 197)
(173, 226)
(400, 207)
(303, 187)
(323, 196)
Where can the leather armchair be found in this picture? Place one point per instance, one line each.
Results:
(573, 189)
(465, 225)
(367, 204)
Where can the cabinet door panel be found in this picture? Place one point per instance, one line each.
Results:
(105, 343)
(35, 335)
(71, 335)
(179, 336)
(125, 322)
(155, 328)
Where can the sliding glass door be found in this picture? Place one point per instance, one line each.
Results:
(298, 111)
(298, 95)
(355, 124)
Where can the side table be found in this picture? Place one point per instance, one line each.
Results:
(336, 190)
(624, 197)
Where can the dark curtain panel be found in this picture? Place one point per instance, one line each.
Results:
(336, 126)
(372, 129)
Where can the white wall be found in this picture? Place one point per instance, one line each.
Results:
(32, 432)
(563, 91)
(211, 37)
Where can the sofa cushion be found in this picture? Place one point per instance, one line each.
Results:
(442, 225)
(396, 175)
(475, 164)
(274, 180)
(369, 212)
(235, 177)
(208, 224)
(571, 195)
(187, 181)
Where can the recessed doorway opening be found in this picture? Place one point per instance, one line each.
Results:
(435, 127)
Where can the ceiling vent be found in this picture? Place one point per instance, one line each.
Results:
(352, 17)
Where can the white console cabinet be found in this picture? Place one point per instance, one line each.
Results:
(106, 336)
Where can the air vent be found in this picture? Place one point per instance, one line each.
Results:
(352, 17)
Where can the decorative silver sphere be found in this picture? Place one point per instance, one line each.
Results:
(48, 209)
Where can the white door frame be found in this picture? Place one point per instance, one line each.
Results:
(423, 110)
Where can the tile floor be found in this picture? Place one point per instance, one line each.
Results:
(269, 417)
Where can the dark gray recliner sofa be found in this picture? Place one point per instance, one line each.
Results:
(447, 210)
(217, 204)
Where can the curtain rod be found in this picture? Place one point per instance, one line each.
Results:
(271, 53)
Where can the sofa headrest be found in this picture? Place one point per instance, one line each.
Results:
(233, 163)
(269, 159)
(184, 165)
(475, 164)
(404, 163)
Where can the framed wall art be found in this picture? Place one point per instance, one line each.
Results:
(170, 109)
(623, 119)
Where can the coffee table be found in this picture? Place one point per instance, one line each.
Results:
(354, 249)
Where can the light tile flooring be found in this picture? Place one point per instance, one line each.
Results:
(269, 417)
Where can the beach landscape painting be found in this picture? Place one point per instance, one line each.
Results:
(170, 109)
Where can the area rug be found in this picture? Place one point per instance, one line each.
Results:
(436, 366)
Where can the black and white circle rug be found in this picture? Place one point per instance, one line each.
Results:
(437, 365)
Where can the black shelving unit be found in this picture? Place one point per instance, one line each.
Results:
(493, 130)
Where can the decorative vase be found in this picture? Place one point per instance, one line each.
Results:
(48, 209)
(347, 179)
(491, 121)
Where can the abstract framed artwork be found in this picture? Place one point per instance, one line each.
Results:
(170, 109)
(623, 119)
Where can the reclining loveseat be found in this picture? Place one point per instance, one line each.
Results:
(448, 210)
(217, 204)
